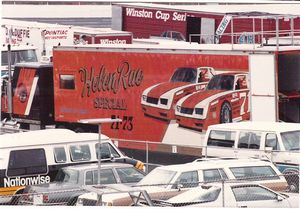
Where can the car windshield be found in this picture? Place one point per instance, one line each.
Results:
(221, 82)
(19, 56)
(184, 75)
(291, 140)
(158, 177)
(67, 175)
(129, 175)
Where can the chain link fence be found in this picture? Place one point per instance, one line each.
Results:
(225, 193)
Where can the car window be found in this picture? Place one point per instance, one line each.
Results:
(60, 154)
(252, 193)
(221, 138)
(221, 82)
(188, 179)
(80, 152)
(256, 173)
(214, 175)
(89, 178)
(272, 141)
(106, 177)
(291, 140)
(184, 74)
(27, 162)
(106, 151)
(129, 175)
(67, 175)
(249, 140)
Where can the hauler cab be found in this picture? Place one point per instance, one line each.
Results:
(19, 54)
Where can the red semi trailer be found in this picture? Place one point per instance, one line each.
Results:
(108, 81)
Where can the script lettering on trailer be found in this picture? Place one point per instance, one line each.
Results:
(123, 78)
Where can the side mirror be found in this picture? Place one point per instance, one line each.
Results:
(179, 187)
(112, 158)
(279, 198)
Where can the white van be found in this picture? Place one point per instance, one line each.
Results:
(278, 142)
(34, 157)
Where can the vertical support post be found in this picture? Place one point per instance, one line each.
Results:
(223, 194)
(99, 155)
(262, 30)
(253, 32)
(147, 156)
(292, 29)
(99, 122)
(277, 32)
(99, 197)
(231, 25)
(9, 87)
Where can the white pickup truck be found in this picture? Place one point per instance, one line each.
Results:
(278, 142)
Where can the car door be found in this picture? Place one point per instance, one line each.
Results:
(251, 196)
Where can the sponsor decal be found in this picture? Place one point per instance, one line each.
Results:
(16, 35)
(55, 34)
(23, 181)
(116, 41)
(158, 15)
(124, 77)
(222, 27)
(110, 103)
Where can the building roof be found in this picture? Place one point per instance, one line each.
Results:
(218, 9)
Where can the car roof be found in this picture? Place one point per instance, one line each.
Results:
(95, 165)
(215, 163)
(258, 126)
(46, 136)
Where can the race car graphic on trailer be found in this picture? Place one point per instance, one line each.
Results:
(224, 100)
(159, 100)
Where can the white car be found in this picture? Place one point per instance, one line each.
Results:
(216, 169)
(232, 195)
(167, 181)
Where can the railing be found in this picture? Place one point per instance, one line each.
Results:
(158, 194)
(262, 36)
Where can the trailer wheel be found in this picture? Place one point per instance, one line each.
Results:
(226, 113)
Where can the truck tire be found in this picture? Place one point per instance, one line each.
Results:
(225, 113)
(72, 201)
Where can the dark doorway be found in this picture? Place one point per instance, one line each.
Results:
(289, 87)
(193, 26)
